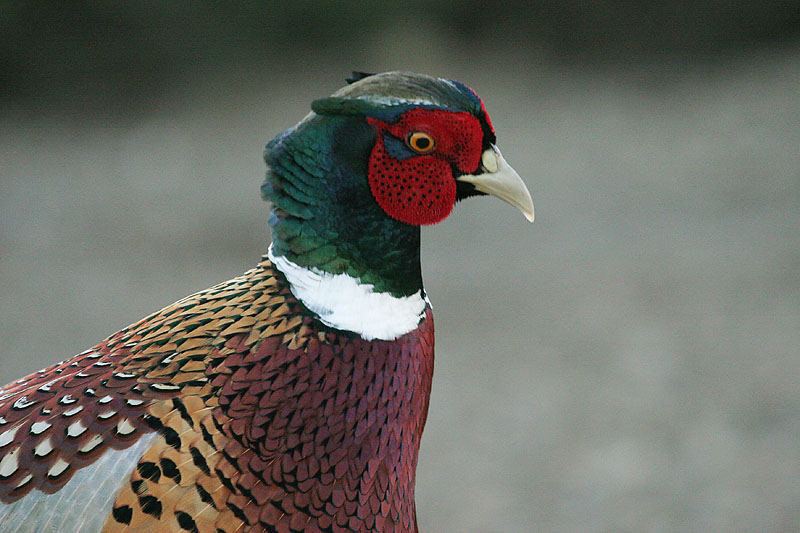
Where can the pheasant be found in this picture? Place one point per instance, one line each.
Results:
(293, 397)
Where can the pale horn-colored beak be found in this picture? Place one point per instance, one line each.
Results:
(502, 181)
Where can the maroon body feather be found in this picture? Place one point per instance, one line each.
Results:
(268, 420)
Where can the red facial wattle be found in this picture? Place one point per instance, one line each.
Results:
(421, 189)
(485, 115)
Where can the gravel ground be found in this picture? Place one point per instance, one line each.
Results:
(627, 363)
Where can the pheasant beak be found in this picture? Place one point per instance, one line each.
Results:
(499, 179)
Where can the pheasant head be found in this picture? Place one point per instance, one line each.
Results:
(353, 182)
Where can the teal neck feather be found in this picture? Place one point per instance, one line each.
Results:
(324, 215)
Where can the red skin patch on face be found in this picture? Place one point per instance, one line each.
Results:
(421, 189)
(486, 116)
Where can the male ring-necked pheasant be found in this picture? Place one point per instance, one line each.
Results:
(293, 397)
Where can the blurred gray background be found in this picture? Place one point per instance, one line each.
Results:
(627, 363)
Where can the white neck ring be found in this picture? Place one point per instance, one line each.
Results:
(343, 302)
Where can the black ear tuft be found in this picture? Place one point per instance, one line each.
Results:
(356, 76)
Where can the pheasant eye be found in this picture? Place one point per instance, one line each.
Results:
(420, 142)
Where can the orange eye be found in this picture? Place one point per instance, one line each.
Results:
(420, 142)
